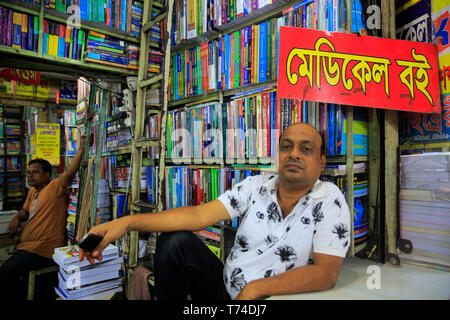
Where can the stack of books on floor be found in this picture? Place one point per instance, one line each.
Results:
(85, 281)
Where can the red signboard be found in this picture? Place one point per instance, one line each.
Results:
(357, 70)
(21, 75)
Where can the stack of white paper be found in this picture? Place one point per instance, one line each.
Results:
(85, 281)
(425, 206)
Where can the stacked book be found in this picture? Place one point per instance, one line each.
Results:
(105, 49)
(103, 201)
(85, 281)
(337, 174)
(136, 18)
(72, 215)
(425, 206)
(155, 58)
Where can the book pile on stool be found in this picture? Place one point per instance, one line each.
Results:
(80, 280)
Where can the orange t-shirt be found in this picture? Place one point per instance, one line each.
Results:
(44, 230)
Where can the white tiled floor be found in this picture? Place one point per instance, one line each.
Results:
(404, 282)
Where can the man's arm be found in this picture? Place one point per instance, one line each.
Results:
(184, 218)
(321, 275)
(67, 176)
(22, 216)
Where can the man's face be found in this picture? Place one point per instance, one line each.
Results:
(36, 176)
(299, 156)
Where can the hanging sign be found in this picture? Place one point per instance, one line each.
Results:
(357, 70)
(48, 142)
(21, 75)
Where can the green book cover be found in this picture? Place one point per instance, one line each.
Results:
(199, 17)
(58, 5)
(89, 10)
(94, 10)
(83, 44)
(183, 77)
(237, 60)
(231, 10)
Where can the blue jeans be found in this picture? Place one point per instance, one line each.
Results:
(185, 265)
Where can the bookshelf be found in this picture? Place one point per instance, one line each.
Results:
(12, 157)
(179, 104)
(40, 59)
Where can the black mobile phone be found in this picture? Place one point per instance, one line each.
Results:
(90, 241)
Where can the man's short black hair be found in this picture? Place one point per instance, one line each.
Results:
(45, 165)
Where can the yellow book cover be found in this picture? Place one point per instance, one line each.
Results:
(17, 30)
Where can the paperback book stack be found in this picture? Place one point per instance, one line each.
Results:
(105, 49)
(103, 201)
(85, 281)
(425, 207)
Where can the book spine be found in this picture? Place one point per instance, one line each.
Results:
(17, 30)
(24, 31)
(262, 52)
(35, 33)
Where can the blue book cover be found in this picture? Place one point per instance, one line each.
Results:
(262, 52)
(45, 43)
(83, 9)
(331, 129)
(61, 46)
(124, 15)
(74, 43)
(227, 60)
(89, 9)
(96, 43)
(220, 85)
(30, 32)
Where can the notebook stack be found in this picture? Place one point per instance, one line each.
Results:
(85, 281)
(425, 207)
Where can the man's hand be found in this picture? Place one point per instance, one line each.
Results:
(110, 232)
(249, 292)
(90, 140)
(14, 225)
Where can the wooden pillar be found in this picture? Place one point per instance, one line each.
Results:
(390, 146)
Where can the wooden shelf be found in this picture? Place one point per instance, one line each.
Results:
(60, 17)
(255, 17)
(14, 57)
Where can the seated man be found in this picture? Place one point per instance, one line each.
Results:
(44, 213)
(286, 220)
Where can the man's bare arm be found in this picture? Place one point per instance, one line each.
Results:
(321, 275)
(185, 218)
(67, 176)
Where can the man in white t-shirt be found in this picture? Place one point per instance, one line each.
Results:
(293, 235)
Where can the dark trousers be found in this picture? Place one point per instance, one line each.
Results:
(185, 265)
(19, 265)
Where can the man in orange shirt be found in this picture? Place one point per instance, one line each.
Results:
(44, 213)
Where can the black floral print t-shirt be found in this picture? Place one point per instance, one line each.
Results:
(267, 244)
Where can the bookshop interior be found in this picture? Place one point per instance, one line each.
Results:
(144, 106)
